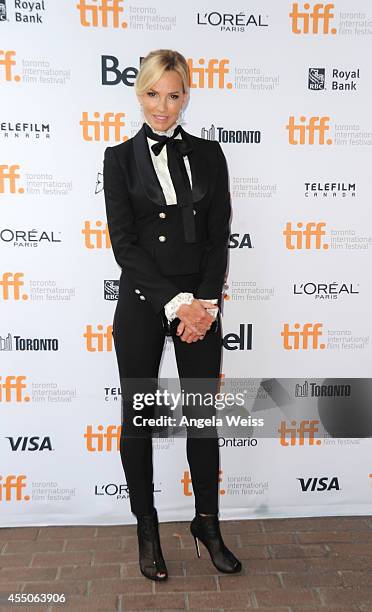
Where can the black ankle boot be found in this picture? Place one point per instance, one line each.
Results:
(207, 530)
(151, 559)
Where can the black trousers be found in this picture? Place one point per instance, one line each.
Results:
(139, 337)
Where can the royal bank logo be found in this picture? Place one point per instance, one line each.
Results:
(340, 80)
(232, 22)
(316, 79)
(111, 289)
(221, 134)
(25, 11)
(3, 10)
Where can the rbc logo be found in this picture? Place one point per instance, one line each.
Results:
(316, 79)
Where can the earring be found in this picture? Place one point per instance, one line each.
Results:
(181, 116)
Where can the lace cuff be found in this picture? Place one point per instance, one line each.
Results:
(185, 298)
(173, 305)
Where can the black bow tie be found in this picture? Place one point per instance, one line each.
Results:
(181, 146)
(177, 148)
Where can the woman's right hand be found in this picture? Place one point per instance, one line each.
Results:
(195, 320)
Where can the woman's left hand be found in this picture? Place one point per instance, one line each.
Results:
(187, 335)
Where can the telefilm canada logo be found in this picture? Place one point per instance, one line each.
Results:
(24, 130)
(232, 22)
(330, 189)
(221, 134)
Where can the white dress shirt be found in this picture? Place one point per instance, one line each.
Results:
(160, 163)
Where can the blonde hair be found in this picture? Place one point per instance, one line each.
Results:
(155, 64)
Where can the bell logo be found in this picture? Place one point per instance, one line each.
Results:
(11, 389)
(101, 13)
(11, 283)
(209, 75)
(7, 61)
(314, 19)
(308, 238)
(298, 433)
(8, 179)
(187, 483)
(97, 130)
(99, 341)
(11, 488)
(298, 339)
(96, 238)
(306, 131)
(106, 439)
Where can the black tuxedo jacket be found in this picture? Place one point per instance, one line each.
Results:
(147, 235)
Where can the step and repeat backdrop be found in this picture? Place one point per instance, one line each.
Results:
(285, 87)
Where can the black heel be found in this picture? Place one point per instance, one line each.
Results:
(151, 560)
(197, 546)
(207, 530)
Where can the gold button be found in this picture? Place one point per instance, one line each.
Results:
(142, 297)
(137, 291)
(194, 211)
(162, 215)
(162, 238)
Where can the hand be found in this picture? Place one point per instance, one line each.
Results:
(195, 315)
(187, 335)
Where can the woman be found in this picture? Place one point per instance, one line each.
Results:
(168, 209)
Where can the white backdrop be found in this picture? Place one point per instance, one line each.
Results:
(280, 65)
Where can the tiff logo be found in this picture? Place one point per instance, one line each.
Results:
(101, 129)
(101, 13)
(312, 19)
(301, 336)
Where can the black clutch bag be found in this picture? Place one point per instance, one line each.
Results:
(171, 327)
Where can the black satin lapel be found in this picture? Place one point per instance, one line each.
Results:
(199, 172)
(146, 170)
